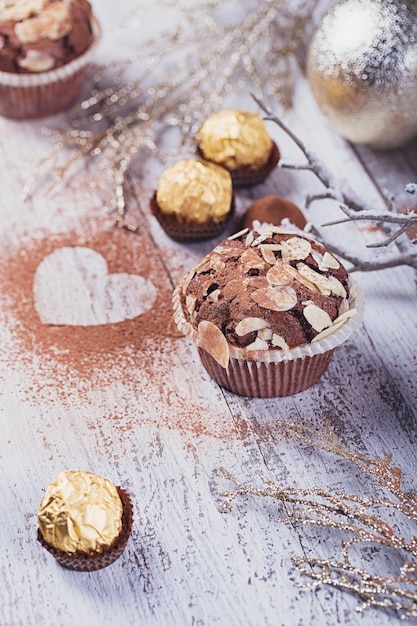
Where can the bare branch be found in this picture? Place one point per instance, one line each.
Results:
(354, 209)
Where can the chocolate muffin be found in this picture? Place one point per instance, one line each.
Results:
(44, 48)
(84, 520)
(266, 310)
(194, 200)
(238, 140)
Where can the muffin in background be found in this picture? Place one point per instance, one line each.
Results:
(266, 309)
(194, 200)
(84, 520)
(45, 46)
(238, 140)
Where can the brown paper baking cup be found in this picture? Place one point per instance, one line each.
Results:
(267, 380)
(189, 232)
(270, 373)
(30, 96)
(247, 176)
(88, 563)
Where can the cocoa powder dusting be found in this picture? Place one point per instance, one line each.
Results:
(69, 364)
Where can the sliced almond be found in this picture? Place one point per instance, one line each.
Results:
(275, 247)
(295, 248)
(214, 262)
(275, 298)
(279, 230)
(251, 260)
(250, 325)
(343, 317)
(317, 317)
(268, 255)
(249, 238)
(258, 344)
(238, 234)
(235, 287)
(320, 281)
(336, 287)
(326, 332)
(279, 342)
(214, 295)
(261, 238)
(279, 274)
(265, 333)
(37, 61)
(211, 339)
(329, 262)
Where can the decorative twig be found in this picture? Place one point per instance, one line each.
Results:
(353, 209)
(407, 221)
(360, 516)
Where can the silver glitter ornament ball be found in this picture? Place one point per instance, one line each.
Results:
(362, 69)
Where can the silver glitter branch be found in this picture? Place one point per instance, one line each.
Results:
(361, 517)
(201, 61)
(355, 210)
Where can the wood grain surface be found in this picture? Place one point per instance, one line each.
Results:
(88, 381)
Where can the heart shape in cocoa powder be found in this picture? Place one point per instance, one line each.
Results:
(72, 287)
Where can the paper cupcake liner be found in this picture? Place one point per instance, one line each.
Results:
(271, 373)
(30, 96)
(189, 232)
(85, 563)
(257, 379)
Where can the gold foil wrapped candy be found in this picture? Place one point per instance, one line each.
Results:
(80, 512)
(84, 520)
(238, 140)
(195, 190)
(194, 200)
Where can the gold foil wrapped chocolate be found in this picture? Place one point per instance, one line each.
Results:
(235, 139)
(80, 513)
(195, 190)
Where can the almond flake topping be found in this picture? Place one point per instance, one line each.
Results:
(326, 284)
(214, 295)
(211, 339)
(295, 248)
(258, 344)
(275, 298)
(213, 263)
(260, 239)
(37, 61)
(249, 238)
(279, 274)
(250, 325)
(343, 317)
(268, 255)
(337, 287)
(238, 234)
(317, 318)
(265, 333)
(329, 262)
(251, 260)
(279, 342)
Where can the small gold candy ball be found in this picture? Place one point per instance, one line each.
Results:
(362, 69)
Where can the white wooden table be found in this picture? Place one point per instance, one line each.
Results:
(130, 401)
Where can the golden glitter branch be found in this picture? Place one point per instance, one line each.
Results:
(361, 517)
(354, 209)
